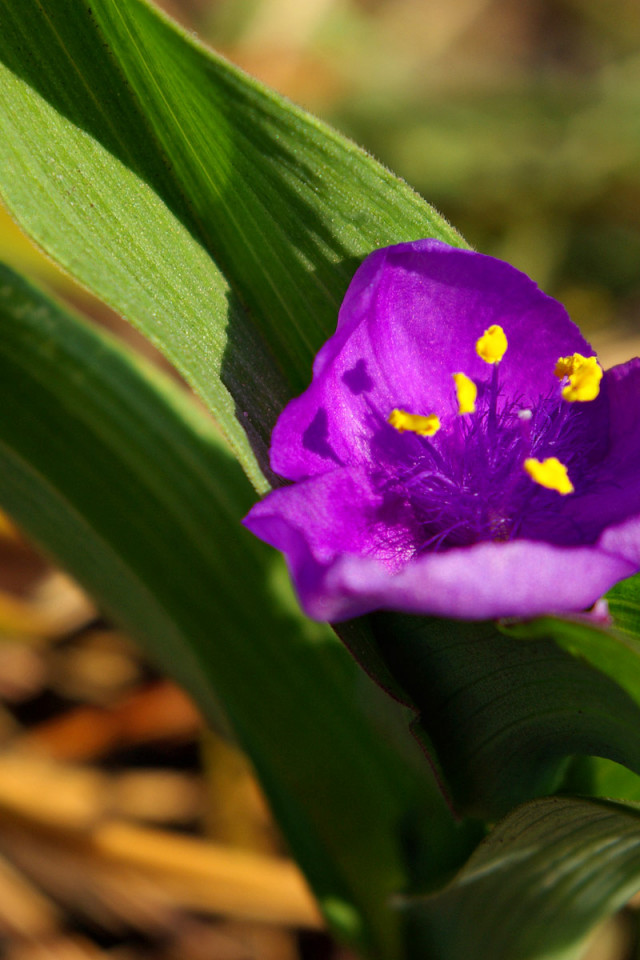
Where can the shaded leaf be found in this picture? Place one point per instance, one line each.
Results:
(606, 648)
(536, 886)
(613, 649)
(500, 716)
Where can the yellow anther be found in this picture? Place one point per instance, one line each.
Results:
(415, 422)
(467, 393)
(492, 345)
(568, 365)
(584, 377)
(549, 473)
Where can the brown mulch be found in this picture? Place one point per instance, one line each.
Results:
(127, 830)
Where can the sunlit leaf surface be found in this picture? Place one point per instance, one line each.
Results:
(218, 218)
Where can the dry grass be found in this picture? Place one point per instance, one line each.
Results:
(126, 830)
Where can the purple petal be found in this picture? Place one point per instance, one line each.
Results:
(336, 513)
(341, 569)
(613, 492)
(410, 319)
(516, 579)
(624, 541)
(316, 522)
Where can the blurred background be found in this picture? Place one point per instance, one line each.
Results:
(520, 121)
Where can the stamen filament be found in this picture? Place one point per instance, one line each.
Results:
(492, 419)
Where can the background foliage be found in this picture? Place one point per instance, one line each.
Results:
(518, 120)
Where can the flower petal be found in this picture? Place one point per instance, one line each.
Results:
(409, 321)
(334, 512)
(613, 491)
(326, 529)
(316, 522)
(520, 578)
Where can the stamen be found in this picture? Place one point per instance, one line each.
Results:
(492, 345)
(492, 413)
(466, 392)
(415, 422)
(584, 376)
(549, 473)
(568, 365)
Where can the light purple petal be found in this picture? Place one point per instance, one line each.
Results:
(410, 319)
(324, 526)
(516, 579)
(624, 540)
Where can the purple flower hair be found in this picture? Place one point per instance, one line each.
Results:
(459, 451)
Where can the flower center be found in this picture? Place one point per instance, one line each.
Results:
(497, 464)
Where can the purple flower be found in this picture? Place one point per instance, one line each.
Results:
(458, 452)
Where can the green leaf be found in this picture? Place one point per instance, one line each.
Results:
(221, 220)
(598, 777)
(500, 715)
(537, 886)
(112, 469)
(624, 605)
(607, 649)
(613, 650)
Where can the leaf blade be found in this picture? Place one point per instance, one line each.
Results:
(501, 716)
(537, 885)
(108, 465)
(231, 255)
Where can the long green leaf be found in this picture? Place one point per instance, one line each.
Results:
(500, 715)
(221, 220)
(537, 885)
(109, 466)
